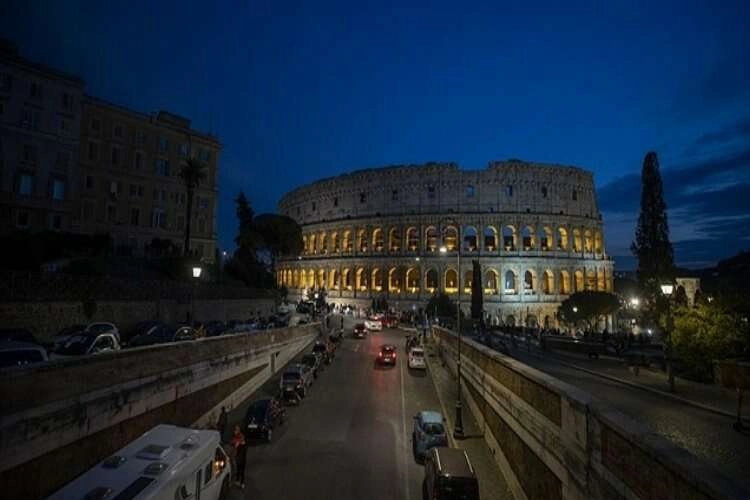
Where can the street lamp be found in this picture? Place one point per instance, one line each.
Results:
(666, 290)
(635, 302)
(197, 270)
(458, 429)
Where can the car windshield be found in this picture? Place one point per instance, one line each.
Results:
(433, 428)
(20, 357)
(319, 348)
(417, 354)
(360, 326)
(99, 328)
(77, 344)
(291, 376)
(257, 410)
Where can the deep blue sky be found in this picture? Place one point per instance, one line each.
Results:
(301, 91)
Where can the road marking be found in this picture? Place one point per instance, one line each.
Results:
(403, 423)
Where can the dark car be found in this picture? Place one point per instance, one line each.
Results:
(164, 334)
(321, 349)
(18, 335)
(214, 328)
(313, 362)
(261, 418)
(141, 328)
(360, 331)
(387, 355)
(448, 474)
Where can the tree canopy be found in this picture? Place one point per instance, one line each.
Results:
(587, 307)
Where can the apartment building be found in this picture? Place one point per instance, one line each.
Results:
(40, 110)
(129, 178)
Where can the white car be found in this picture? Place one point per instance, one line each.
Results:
(373, 325)
(82, 344)
(416, 359)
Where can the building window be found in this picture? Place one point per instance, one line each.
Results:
(25, 184)
(96, 124)
(88, 210)
(30, 118)
(140, 138)
(35, 92)
(6, 81)
(162, 167)
(89, 182)
(394, 195)
(163, 195)
(114, 187)
(115, 156)
(184, 150)
(362, 197)
(336, 202)
(298, 210)
(63, 159)
(575, 195)
(313, 206)
(138, 160)
(29, 153)
(93, 153)
(117, 131)
(544, 191)
(469, 191)
(431, 192)
(181, 222)
(133, 190)
(509, 190)
(140, 191)
(158, 218)
(203, 203)
(58, 189)
(111, 213)
(204, 155)
(64, 126)
(163, 144)
(56, 222)
(67, 101)
(22, 219)
(134, 216)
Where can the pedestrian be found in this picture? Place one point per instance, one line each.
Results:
(221, 424)
(240, 453)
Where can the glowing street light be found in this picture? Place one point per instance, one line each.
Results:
(197, 272)
(575, 309)
(443, 249)
(635, 302)
(667, 289)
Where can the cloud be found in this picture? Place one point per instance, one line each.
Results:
(740, 129)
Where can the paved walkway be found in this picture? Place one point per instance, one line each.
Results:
(492, 483)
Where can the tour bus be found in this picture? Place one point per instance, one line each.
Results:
(167, 462)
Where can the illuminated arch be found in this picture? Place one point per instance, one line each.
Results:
(450, 238)
(529, 281)
(546, 242)
(471, 239)
(491, 280)
(394, 239)
(376, 282)
(377, 240)
(412, 239)
(577, 240)
(333, 283)
(450, 281)
(528, 238)
(562, 238)
(412, 280)
(579, 281)
(588, 241)
(510, 238)
(394, 280)
(346, 279)
(564, 282)
(510, 284)
(490, 239)
(431, 239)
(548, 282)
(362, 241)
(360, 279)
(431, 280)
(347, 244)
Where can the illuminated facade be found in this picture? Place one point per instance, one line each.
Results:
(535, 229)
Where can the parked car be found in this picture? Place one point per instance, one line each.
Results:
(320, 348)
(416, 359)
(261, 418)
(103, 327)
(294, 378)
(85, 343)
(313, 362)
(373, 324)
(387, 355)
(141, 328)
(15, 354)
(428, 432)
(164, 334)
(360, 331)
(214, 328)
(448, 474)
(18, 334)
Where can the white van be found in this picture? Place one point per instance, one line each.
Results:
(166, 463)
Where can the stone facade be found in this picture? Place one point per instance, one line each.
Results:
(536, 230)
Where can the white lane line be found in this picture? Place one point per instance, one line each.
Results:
(403, 423)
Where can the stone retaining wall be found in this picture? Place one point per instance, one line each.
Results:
(60, 419)
(553, 440)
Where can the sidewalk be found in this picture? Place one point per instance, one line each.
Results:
(705, 396)
(492, 483)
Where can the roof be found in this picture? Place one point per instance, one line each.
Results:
(167, 444)
(432, 417)
(454, 462)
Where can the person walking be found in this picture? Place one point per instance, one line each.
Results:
(240, 453)
(221, 424)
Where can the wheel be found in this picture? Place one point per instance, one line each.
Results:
(269, 435)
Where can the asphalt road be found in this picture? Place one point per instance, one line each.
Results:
(351, 436)
(705, 434)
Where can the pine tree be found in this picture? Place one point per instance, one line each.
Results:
(477, 299)
(652, 247)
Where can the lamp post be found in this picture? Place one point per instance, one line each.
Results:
(197, 270)
(458, 429)
(667, 290)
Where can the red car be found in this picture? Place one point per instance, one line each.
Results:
(387, 355)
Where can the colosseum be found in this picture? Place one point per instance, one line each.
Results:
(401, 231)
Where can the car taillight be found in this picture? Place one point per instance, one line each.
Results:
(380, 354)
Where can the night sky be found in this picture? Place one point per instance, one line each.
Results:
(300, 92)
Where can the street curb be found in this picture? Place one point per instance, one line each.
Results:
(451, 440)
(673, 397)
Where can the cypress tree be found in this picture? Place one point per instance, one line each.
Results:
(477, 299)
(652, 247)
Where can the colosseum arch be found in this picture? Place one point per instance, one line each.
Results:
(361, 241)
(333, 283)
(450, 281)
(377, 240)
(577, 240)
(510, 282)
(548, 282)
(376, 283)
(471, 239)
(468, 279)
(431, 280)
(588, 241)
(431, 239)
(346, 279)
(335, 247)
(491, 280)
(412, 239)
(490, 239)
(601, 280)
(310, 278)
(305, 245)
(360, 279)
(321, 281)
(394, 239)
(295, 279)
(590, 280)
(529, 241)
(412, 280)
(346, 241)
(562, 238)
(510, 320)
(529, 282)
(312, 241)
(394, 280)
(564, 282)
(510, 238)
(598, 241)
(579, 281)
(322, 240)
(450, 238)
(546, 242)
